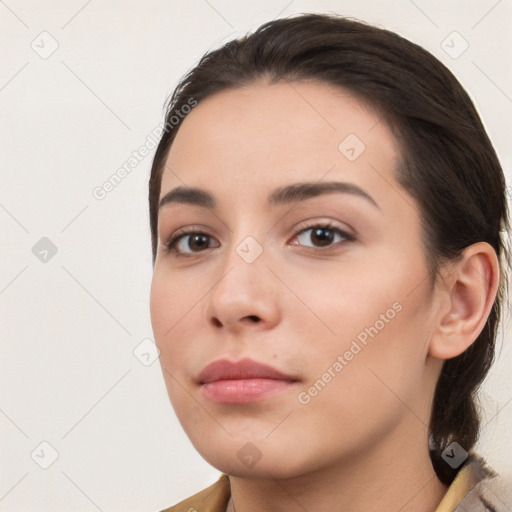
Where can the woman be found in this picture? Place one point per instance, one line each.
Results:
(327, 213)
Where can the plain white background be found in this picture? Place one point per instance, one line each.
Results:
(82, 84)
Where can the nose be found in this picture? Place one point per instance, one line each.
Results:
(245, 295)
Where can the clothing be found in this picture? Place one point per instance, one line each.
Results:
(476, 488)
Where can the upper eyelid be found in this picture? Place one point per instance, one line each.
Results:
(302, 226)
(299, 229)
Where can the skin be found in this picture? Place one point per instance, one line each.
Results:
(363, 439)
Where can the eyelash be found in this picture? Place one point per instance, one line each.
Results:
(170, 246)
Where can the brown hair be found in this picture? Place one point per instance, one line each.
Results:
(448, 162)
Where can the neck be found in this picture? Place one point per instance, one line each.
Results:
(402, 479)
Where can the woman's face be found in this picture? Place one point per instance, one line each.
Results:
(343, 312)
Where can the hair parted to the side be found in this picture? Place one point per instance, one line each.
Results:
(448, 162)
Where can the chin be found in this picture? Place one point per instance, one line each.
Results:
(255, 459)
(262, 469)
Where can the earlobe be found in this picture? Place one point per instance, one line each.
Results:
(469, 289)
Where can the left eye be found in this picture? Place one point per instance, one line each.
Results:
(321, 236)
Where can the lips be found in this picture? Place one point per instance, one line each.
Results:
(243, 381)
(223, 369)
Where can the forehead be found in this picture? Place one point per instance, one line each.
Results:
(263, 136)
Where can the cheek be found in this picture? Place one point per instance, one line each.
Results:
(376, 320)
(347, 302)
(172, 299)
(161, 307)
(169, 307)
(360, 387)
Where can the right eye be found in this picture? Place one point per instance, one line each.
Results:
(188, 242)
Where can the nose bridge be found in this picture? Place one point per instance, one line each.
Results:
(245, 288)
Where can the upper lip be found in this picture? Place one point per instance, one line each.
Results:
(223, 369)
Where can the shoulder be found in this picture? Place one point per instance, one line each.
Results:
(478, 488)
(490, 492)
(212, 499)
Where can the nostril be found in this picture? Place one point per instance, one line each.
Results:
(252, 318)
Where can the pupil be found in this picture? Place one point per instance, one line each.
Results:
(198, 240)
(321, 237)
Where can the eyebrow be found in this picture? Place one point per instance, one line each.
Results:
(284, 195)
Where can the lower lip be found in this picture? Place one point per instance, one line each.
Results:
(242, 391)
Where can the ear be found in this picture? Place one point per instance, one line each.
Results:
(467, 290)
